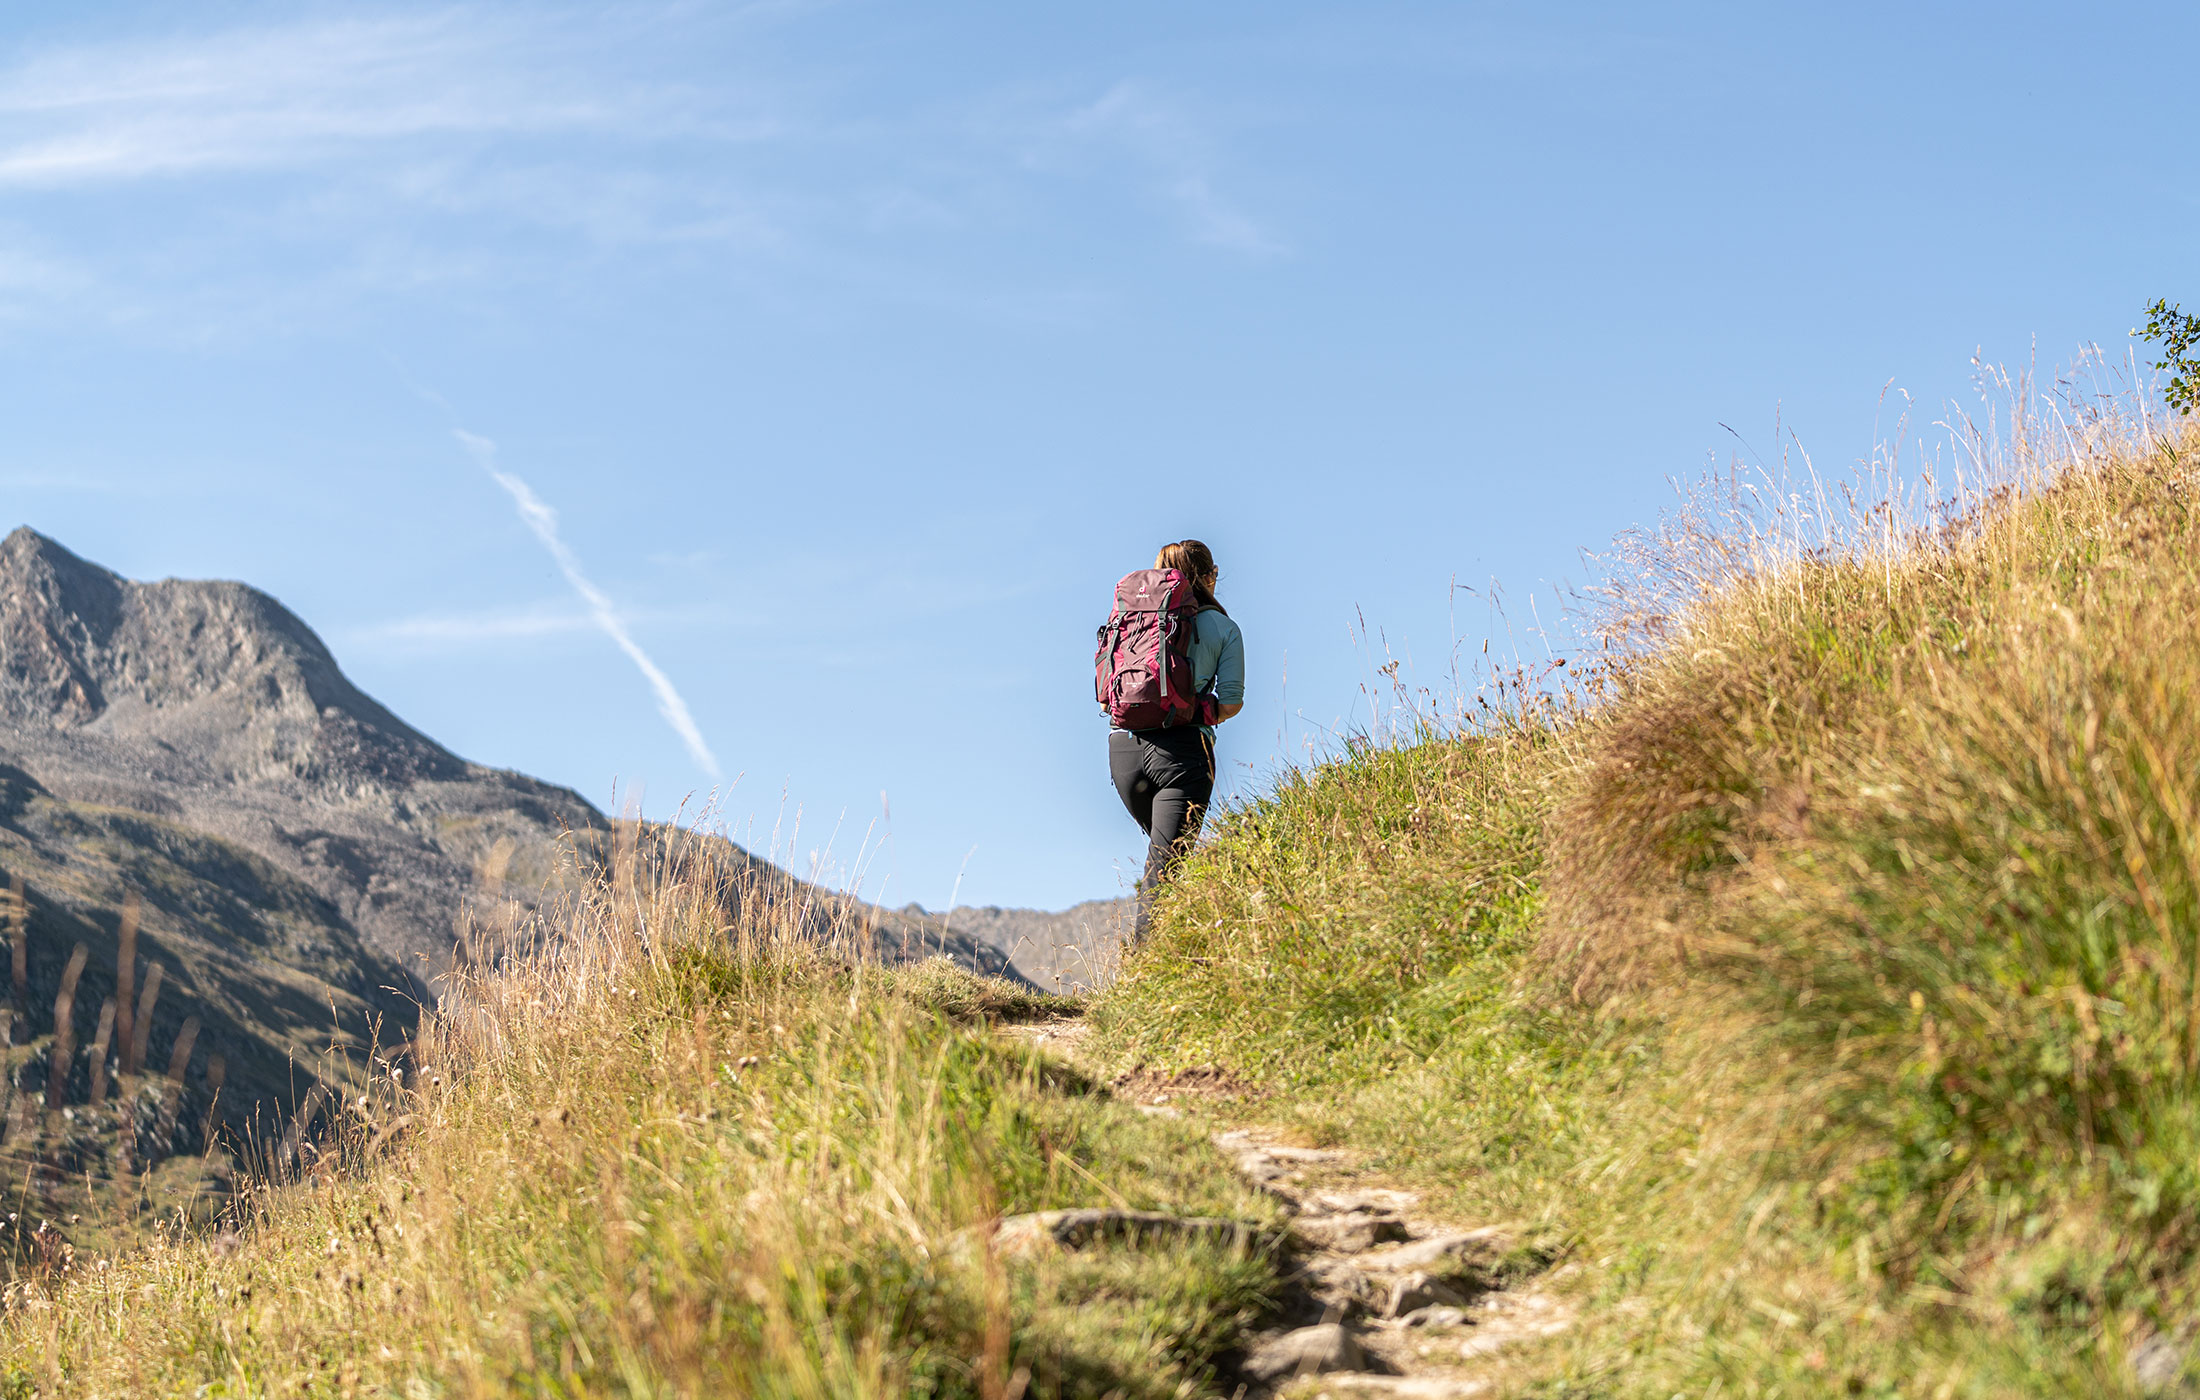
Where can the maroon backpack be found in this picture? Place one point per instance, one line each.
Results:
(1142, 671)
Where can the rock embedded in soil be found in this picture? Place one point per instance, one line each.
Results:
(1508, 1319)
(1414, 1292)
(2157, 1365)
(1348, 1234)
(1374, 1200)
(1436, 1316)
(1078, 1229)
(1263, 1163)
(1445, 1252)
(1308, 1351)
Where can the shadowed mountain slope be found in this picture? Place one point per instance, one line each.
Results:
(307, 861)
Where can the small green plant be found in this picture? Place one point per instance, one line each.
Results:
(2179, 334)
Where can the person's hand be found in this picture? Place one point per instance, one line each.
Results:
(1213, 712)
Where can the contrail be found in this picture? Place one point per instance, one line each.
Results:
(541, 519)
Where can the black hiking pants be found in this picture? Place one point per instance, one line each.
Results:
(1165, 777)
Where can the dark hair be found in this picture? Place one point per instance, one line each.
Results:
(1197, 563)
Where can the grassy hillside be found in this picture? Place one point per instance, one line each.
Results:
(1815, 982)
(1823, 978)
(675, 1158)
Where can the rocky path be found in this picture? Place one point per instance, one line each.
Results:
(1387, 1301)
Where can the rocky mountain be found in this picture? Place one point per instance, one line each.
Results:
(304, 857)
(305, 861)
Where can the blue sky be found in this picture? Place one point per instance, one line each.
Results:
(857, 348)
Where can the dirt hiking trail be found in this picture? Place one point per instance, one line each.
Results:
(1382, 1299)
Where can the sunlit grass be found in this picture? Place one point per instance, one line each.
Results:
(1820, 981)
(681, 1151)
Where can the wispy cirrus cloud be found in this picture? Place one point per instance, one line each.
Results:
(299, 172)
(444, 630)
(242, 181)
(407, 148)
(304, 94)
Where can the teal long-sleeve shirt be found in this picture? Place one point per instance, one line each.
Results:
(1218, 655)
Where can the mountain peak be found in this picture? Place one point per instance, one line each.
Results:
(216, 669)
(211, 705)
(55, 611)
(23, 541)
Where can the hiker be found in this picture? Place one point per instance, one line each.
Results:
(1170, 667)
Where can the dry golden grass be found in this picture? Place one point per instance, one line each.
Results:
(679, 1149)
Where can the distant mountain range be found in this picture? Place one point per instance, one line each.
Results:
(305, 859)
(1072, 951)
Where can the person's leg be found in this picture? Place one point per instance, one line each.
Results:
(1126, 765)
(1182, 767)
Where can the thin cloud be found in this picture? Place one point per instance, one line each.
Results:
(445, 629)
(470, 144)
(541, 519)
(1165, 138)
(1218, 222)
(75, 483)
(296, 95)
(466, 144)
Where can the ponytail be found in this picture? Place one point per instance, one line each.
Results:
(1197, 563)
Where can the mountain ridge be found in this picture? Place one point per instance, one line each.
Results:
(307, 863)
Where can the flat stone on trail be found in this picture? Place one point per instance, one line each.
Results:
(1373, 1263)
(1259, 1160)
(1373, 1200)
(1348, 1234)
(1510, 1319)
(2156, 1364)
(1075, 1229)
(1414, 1292)
(1308, 1351)
(1438, 1250)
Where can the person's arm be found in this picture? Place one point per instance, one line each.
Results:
(1230, 673)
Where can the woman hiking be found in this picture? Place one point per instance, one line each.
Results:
(1171, 668)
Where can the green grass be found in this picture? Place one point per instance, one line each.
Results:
(940, 984)
(1351, 944)
(1331, 929)
(1826, 988)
